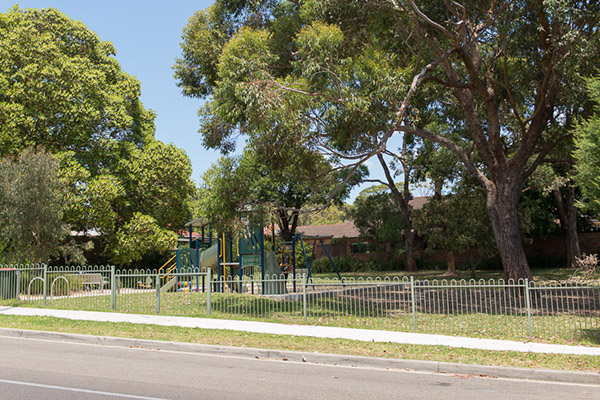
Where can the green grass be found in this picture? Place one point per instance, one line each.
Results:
(306, 344)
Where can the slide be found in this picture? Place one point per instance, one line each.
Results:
(208, 259)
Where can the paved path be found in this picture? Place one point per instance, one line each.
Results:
(306, 330)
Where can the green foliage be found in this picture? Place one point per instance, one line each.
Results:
(347, 263)
(334, 214)
(376, 215)
(457, 222)
(62, 90)
(221, 192)
(587, 152)
(490, 81)
(142, 235)
(156, 180)
(31, 208)
(281, 182)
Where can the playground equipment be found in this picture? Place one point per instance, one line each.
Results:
(232, 257)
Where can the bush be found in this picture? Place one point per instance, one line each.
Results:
(347, 263)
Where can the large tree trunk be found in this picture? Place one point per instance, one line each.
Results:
(451, 262)
(403, 200)
(502, 206)
(287, 225)
(409, 242)
(567, 213)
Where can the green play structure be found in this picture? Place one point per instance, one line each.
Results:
(231, 257)
(227, 256)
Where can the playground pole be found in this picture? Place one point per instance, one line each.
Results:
(262, 257)
(219, 259)
(330, 259)
(293, 262)
(240, 261)
(208, 290)
(197, 264)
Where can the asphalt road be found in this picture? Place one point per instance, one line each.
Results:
(40, 369)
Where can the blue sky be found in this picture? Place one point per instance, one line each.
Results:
(146, 35)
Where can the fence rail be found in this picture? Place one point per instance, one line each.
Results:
(494, 309)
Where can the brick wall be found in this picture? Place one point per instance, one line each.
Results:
(547, 252)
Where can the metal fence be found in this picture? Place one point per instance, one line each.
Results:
(494, 309)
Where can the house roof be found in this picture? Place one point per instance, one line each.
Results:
(347, 229)
(418, 202)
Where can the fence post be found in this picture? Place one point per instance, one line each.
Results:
(413, 302)
(45, 282)
(208, 290)
(18, 275)
(113, 289)
(528, 305)
(304, 281)
(157, 293)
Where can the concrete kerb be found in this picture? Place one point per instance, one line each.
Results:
(316, 358)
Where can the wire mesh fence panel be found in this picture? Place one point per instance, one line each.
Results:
(470, 308)
(135, 292)
(370, 303)
(184, 293)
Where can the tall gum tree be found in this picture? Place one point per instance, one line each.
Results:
(353, 75)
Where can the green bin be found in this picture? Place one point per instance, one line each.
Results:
(8, 283)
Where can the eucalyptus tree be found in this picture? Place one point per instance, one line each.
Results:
(348, 77)
(31, 208)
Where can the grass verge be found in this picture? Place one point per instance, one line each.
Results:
(306, 344)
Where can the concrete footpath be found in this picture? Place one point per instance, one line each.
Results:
(367, 335)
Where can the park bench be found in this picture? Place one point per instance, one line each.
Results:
(92, 280)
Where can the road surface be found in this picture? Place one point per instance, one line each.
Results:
(40, 369)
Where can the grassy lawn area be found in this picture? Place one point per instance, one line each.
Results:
(306, 344)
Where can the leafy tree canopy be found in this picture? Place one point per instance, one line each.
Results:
(346, 76)
(63, 91)
(587, 152)
(376, 215)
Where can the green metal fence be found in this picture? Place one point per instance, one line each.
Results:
(551, 311)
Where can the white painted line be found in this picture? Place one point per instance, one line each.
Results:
(71, 389)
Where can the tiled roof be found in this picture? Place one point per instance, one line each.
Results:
(418, 202)
(347, 229)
